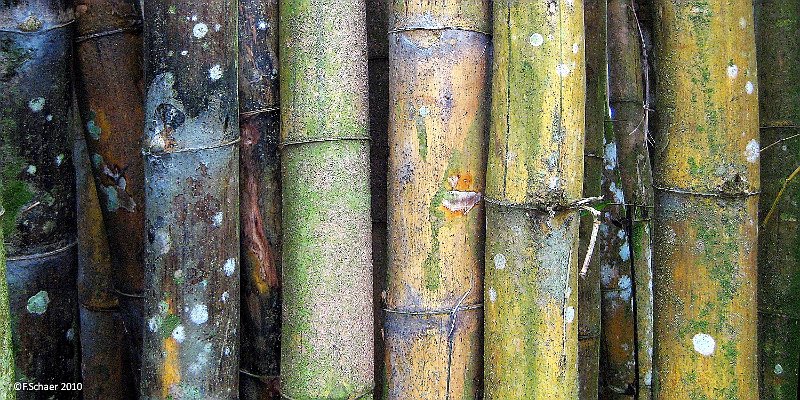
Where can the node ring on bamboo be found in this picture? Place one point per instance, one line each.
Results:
(37, 256)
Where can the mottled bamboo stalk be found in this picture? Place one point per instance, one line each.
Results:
(6, 346)
(191, 338)
(589, 284)
(626, 92)
(105, 370)
(39, 190)
(109, 88)
(778, 24)
(327, 346)
(259, 172)
(534, 178)
(438, 119)
(706, 180)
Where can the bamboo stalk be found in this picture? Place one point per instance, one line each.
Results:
(109, 88)
(260, 198)
(706, 180)
(438, 118)
(779, 264)
(6, 346)
(630, 123)
(589, 324)
(191, 339)
(327, 351)
(39, 191)
(534, 179)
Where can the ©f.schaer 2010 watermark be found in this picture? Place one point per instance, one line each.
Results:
(48, 387)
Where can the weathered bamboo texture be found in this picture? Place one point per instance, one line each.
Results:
(259, 169)
(39, 192)
(534, 179)
(378, 71)
(110, 99)
(626, 93)
(438, 120)
(191, 147)
(706, 181)
(327, 347)
(589, 284)
(778, 24)
(105, 371)
(6, 346)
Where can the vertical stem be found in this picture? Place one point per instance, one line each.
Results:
(706, 181)
(191, 334)
(438, 119)
(39, 189)
(327, 351)
(6, 346)
(534, 178)
(260, 198)
(778, 23)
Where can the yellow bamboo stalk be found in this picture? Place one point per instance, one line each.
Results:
(534, 177)
(706, 181)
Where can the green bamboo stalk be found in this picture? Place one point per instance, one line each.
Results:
(191, 339)
(327, 350)
(534, 179)
(39, 192)
(626, 91)
(589, 284)
(778, 25)
(438, 119)
(259, 171)
(6, 346)
(706, 181)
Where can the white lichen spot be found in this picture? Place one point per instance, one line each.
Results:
(625, 286)
(459, 201)
(194, 17)
(200, 30)
(262, 25)
(749, 88)
(31, 170)
(184, 52)
(648, 378)
(179, 334)
(778, 369)
(423, 111)
(162, 241)
(199, 314)
(733, 71)
(569, 314)
(230, 267)
(37, 304)
(704, 344)
(49, 117)
(575, 48)
(227, 351)
(59, 159)
(37, 104)
(553, 182)
(152, 323)
(70, 334)
(499, 261)
(562, 70)
(537, 40)
(742, 23)
(492, 295)
(224, 297)
(624, 252)
(752, 151)
(163, 307)
(217, 219)
(215, 72)
(217, 27)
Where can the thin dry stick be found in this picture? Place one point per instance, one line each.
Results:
(592, 240)
(778, 197)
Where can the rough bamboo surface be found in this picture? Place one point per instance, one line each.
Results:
(706, 180)
(534, 177)
(260, 211)
(589, 284)
(105, 369)
(110, 99)
(191, 335)
(327, 345)
(6, 346)
(438, 120)
(778, 26)
(626, 93)
(39, 193)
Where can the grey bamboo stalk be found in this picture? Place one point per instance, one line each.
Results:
(589, 284)
(534, 178)
(259, 171)
(778, 23)
(7, 391)
(626, 91)
(191, 338)
(327, 350)
(438, 119)
(39, 189)
(706, 199)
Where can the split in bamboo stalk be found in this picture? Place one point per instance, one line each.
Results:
(778, 24)
(589, 284)
(39, 189)
(6, 346)
(706, 182)
(534, 179)
(109, 74)
(630, 124)
(438, 119)
(259, 171)
(327, 346)
(191, 335)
